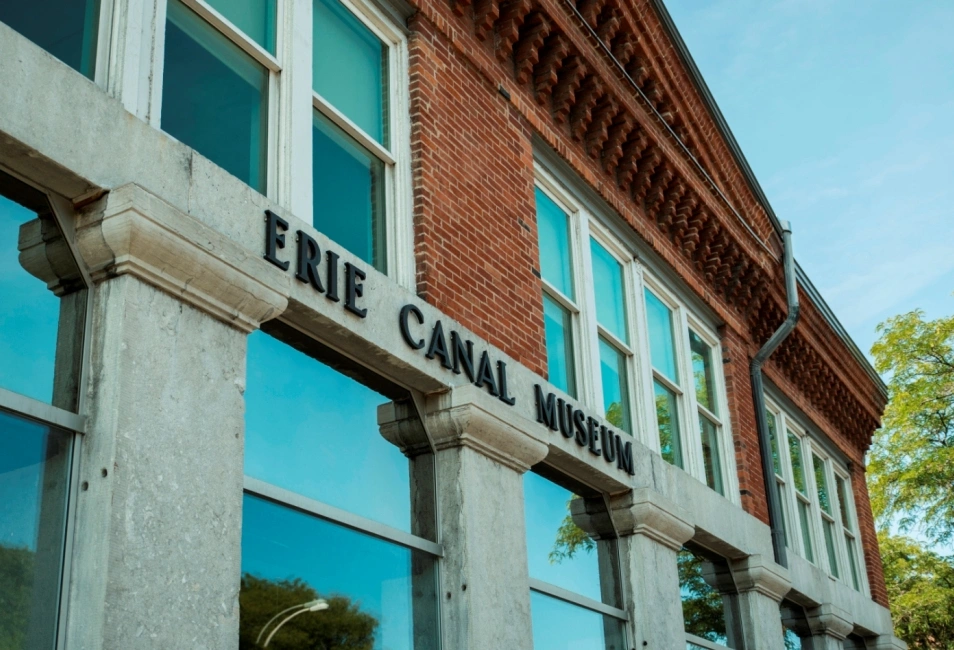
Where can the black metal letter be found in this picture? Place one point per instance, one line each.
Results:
(625, 455)
(406, 310)
(565, 411)
(354, 289)
(502, 380)
(274, 239)
(546, 408)
(308, 255)
(609, 446)
(438, 346)
(332, 294)
(579, 420)
(485, 376)
(594, 438)
(462, 352)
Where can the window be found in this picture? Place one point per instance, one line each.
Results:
(218, 70)
(574, 573)
(43, 322)
(781, 486)
(709, 602)
(620, 342)
(559, 306)
(67, 29)
(314, 527)
(354, 158)
(847, 517)
(819, 515)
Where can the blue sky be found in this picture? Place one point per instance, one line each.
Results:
(845, 111)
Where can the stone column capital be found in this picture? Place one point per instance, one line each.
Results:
(643, 511)
(131, 231)
(830, 620)
(464, 417)
(761, 574)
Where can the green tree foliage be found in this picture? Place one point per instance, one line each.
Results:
(16, 581)
(921, 590)
(701, 603)
(570, 539)
(343, 626)
(911, 465)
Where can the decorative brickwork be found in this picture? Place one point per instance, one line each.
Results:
(487, 76)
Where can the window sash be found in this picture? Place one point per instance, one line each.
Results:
(337, 515)
(353, 130)
(237, 36)
(576, 599)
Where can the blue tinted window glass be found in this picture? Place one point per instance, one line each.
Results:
(662, 349)
(29, 313)
(377, 591)
(553, 232)
(214, 96)
(702, 604)
(608, 287)
(558, 551)
(254, 17)
(615, 386)
(34, 486)
(667, 417)
(702, 372)
(350, 68)
(314, 431)
(559, 343)
(711, 457)
(67, 29)
(349, 193)
(558, 625)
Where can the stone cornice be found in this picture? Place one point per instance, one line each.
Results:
(644, 511)
(761, 574)
(462, 417)
(830, 620)
(131, 231)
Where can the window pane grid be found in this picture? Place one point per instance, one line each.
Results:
(263, 52)
(330, 513)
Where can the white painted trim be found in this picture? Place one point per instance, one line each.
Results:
(576, 599)
(234, 34)
(704, 643)
(41, 411)
(339, 516)
(356, 132)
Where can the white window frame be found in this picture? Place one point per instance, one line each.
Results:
(586, 223)
(399, 225)
(272, 64)
(848, 507)
(811, 445)
(688, 408)
(291, 104)
(45, 413)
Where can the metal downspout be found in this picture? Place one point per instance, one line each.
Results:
(776, 522)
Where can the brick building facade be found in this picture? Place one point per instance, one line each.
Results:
(467, 368)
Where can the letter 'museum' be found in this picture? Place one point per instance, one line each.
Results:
(312, 337)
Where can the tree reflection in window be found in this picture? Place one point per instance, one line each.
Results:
(343, 626)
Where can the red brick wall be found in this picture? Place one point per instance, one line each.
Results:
(738, 385)
(475, 226)
(474, 214)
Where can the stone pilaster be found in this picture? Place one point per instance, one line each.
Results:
(156, 559)
(652, 530)
(480, 461)
(761, 585)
